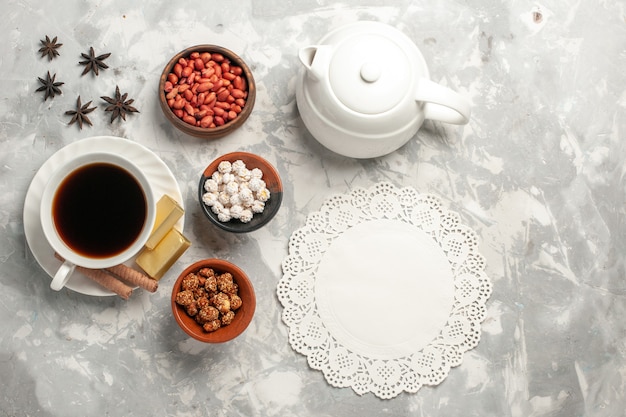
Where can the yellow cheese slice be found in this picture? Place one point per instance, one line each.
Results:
(156, 262)
(168, 211)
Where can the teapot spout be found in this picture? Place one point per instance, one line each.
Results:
(316, 59)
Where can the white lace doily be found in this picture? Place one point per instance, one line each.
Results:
(383, 290)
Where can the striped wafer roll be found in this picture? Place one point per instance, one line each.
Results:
(132, 276)
(104, 279)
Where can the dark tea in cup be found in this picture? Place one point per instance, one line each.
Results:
(99, 210)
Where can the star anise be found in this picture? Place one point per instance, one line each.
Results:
(50, 86)
(49, 48)
(80, 114)
(93, 62)
(119, 105)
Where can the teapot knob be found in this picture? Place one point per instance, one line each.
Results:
(370, 72)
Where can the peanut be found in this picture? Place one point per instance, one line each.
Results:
(206, 121)
(189, 119)
(179, 103)
(178, 70)
(222, 95)
(186, 72)
(206, 89)
(172, 94)
(211, 97)
(237, 93)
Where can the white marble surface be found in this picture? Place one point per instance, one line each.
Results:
(538, 173)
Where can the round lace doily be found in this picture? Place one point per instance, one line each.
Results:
(383, 290)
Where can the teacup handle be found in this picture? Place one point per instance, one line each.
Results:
(442, 104)
(62, 275)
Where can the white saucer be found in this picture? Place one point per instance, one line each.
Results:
(160, 176)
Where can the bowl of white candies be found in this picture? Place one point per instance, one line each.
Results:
(240, 192)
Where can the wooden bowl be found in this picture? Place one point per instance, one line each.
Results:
(243, 315)
(273, 184)
(208, 132)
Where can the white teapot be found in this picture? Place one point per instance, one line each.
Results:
(364, 91)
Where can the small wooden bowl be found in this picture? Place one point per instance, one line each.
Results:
(243, 315)
(273, 184)
(219, 131)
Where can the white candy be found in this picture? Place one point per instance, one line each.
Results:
(244, 174)
(210, 185)
(263, 195)
(227, 177)
(246, 216)
(235, 192)
(247, 202)
(256, 184)
(256, 173)
(257, 207)
(209, 199)
(217, 177)
(224, 167)
(245, 194)
(235, 200)
(224, 199)
(217, 207)
(238, 164)
(235, 211)
(224, 215)
(231, 188)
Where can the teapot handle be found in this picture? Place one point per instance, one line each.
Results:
(442, 104)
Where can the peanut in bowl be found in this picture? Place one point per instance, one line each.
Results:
(213, 311)
(207, 91)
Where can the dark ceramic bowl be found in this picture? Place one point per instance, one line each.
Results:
(243, 315)
(208, 132)
(273, 184)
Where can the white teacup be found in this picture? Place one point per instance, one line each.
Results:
(97, 211)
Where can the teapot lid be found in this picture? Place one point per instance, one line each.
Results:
(370, 73)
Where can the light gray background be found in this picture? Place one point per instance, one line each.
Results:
(538, 173)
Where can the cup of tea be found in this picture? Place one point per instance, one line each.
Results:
(97, 211)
